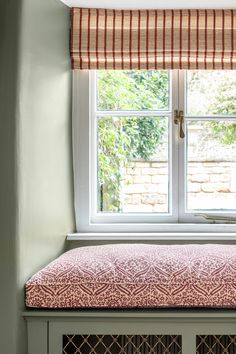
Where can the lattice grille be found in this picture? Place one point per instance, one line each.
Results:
(216, 344)
(121, 344)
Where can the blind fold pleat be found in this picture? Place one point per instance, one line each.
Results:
(153, 39)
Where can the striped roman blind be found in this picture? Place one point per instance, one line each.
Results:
(153, 39)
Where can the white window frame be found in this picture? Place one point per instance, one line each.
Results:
(190, 216)
(84, 144)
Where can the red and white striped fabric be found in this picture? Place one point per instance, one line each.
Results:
(153, 39)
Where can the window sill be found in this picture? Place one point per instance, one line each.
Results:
(174, 232)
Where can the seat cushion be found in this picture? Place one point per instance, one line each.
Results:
(137, 276)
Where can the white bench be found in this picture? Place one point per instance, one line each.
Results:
(46, 328)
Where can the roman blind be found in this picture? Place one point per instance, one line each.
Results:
(153, 39)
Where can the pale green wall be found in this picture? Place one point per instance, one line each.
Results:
(9, 26)
(44, 129)
(36, 142)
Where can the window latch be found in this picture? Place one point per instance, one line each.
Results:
(179, 120)
(221, 218)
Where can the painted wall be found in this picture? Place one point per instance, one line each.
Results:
(9, 25)
(37, 182)
(44, 129)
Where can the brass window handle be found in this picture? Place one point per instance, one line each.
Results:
(179, 120)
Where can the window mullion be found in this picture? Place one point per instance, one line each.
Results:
(93, 166)
(173, 148)
(182, 149)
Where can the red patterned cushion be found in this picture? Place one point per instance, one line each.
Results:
(137, 276)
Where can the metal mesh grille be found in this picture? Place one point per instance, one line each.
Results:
(121, 344)
(216, 344)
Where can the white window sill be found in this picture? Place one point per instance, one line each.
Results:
(177, 232)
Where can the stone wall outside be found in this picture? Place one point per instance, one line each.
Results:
(145, 186)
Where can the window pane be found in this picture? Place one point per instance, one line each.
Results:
(211, 92)
(133, 90)
(211, 168)
(133, 164)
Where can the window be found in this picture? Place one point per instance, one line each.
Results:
(154, 149)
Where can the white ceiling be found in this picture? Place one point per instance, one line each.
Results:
(152, 4)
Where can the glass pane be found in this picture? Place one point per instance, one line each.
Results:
(211, 168)
(211, 92)
(132, 90)
(133, 164)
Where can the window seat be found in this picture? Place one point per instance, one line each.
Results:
(130, 276)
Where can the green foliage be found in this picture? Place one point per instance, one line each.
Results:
(114, 144)
(225, 103)
(214, 93)
(224, 131)
(126, 138)
(145, 134)
(132, 90)
(225, 100)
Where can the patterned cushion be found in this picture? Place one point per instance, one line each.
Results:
(137, 276)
